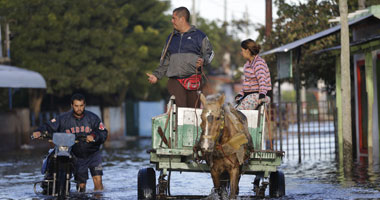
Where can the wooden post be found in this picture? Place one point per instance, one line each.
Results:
(298, 99)
(339, 130)
(279, 113)
(370, 97)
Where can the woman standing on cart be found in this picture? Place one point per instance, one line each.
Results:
(257, 85)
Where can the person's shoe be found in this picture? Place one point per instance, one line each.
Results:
(79, 189)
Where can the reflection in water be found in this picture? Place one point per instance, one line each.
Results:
(313, 179)
(361, 182)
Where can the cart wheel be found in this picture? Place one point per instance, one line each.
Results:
(146, 184)
(277, 184)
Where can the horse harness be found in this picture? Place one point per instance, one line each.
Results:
(217, 139)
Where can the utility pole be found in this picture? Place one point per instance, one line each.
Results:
(268, 17)
(8, 41)
(346, 85)
(1, 45)
(361, 4)
(194, 15)
(225, 11)
(246, 18)
(5, 53)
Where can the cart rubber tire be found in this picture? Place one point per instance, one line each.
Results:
(277, 184)
(146, 184)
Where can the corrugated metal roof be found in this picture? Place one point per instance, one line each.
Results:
(14, 77)
(297, 43)
(359, 42)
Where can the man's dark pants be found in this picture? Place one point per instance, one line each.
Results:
(92, 163)
(183, 97)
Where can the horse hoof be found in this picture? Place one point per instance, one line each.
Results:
(213, 195)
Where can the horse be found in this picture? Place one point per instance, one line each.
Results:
(225, 142)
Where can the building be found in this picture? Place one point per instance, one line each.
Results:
(365, 69)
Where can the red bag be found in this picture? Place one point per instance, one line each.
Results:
(191, 83)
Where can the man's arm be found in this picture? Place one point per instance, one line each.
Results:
(164, 62)
(160, 71)
(99, 133)
(50, 127)
(207, 52)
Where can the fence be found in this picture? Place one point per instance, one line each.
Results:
(317, 137)
(42, 118)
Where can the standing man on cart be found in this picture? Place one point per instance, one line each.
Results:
(186, 51)
(87, 125)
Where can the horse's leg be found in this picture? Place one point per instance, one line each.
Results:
(256, 185)
(224, 179)
(215, 178)
(234, 181)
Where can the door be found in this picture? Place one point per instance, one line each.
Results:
(362, 107)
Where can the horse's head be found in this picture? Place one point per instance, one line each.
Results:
(212, 121)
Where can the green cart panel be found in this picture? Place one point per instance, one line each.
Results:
(183, 128)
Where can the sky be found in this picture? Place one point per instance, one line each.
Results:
(214, 10)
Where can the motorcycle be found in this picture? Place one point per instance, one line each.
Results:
(57, 166)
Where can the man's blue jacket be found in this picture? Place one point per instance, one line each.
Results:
(89, 124)
(183, 53)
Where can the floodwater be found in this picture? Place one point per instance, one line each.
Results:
(313, 179)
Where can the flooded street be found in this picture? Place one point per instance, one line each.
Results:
(310, 180)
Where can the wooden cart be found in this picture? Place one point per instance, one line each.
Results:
(173, 136)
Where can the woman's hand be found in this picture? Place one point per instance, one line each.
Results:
(238, 98)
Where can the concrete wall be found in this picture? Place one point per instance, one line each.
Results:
(15, 129)
(114, 120)
(96, 110)
(16, 125)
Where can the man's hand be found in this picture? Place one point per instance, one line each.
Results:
(151, 78)
(90, 138)
(199, 62)
(36, 134)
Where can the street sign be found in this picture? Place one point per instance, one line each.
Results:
(284, 65)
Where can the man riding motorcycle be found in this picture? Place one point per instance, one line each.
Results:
(87, 125)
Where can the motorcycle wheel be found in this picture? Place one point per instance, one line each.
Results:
(61, 183)
(62, 179)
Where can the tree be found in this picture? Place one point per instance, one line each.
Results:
(102, 47)
(298, 21)
(222, 42)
